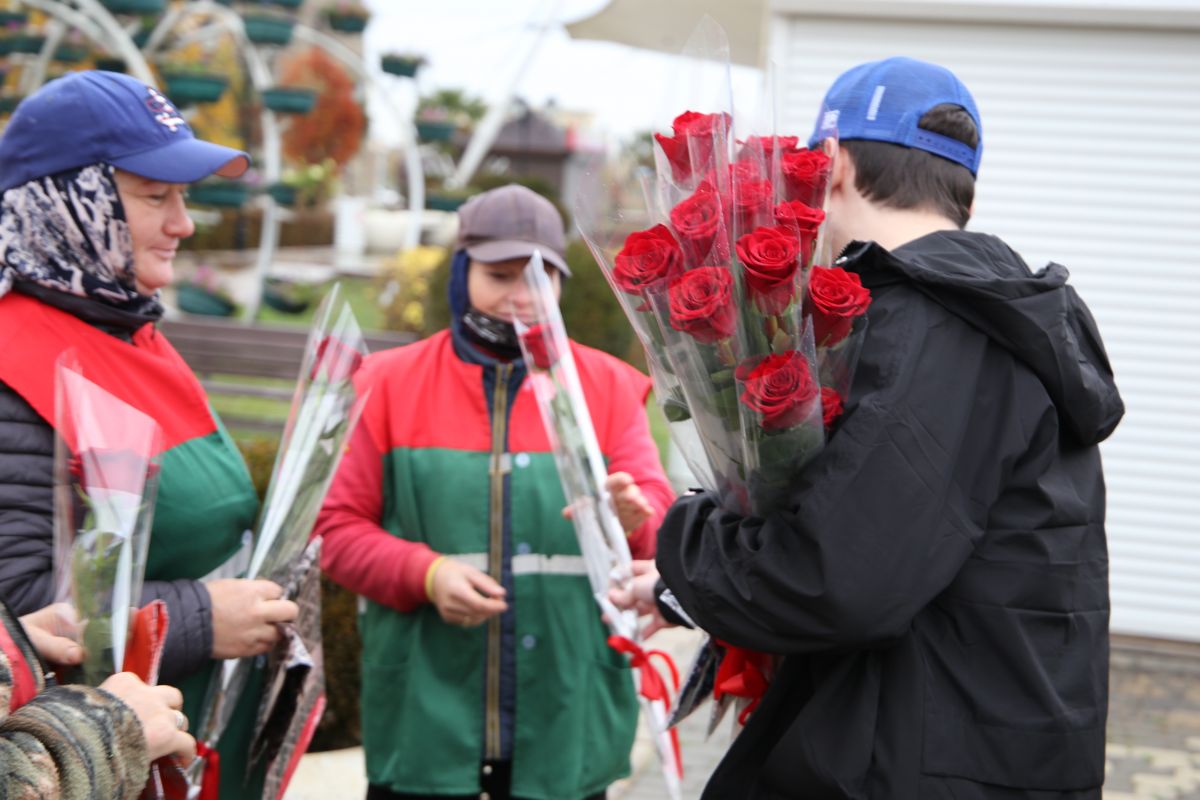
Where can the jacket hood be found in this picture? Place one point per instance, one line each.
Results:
(1037, 317)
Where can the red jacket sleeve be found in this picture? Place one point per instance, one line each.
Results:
(633, 450)
(357, 553)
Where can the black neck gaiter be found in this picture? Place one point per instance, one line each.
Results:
(495, 335)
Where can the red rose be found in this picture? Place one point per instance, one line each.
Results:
(835, 299)
(752, 204)
(541, 353)
(831, 406)
(781, 388)
(699, 223)
(339, 360)
(767, 150)
(744, 171)
(805, 174)
(702, 304)
(690, 150)
(770, 257)
(648, 258)
(803, 221)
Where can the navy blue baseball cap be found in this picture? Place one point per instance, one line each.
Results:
(883, 101)
(94, 117)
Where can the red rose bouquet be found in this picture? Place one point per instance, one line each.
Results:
(555, 382)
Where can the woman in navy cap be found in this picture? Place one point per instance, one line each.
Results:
(93, 170)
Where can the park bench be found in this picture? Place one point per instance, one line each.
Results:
(236, 360)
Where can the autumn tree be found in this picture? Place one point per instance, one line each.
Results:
(335, 126)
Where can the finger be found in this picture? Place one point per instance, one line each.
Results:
(279, 610)
(621, 598)
(484, 607)
(618, 482)
(642, 567)
(568, 512)
(655, 625)
(269, 590)
(55, 649)
(169, 695)
(484, 583)
(184, 748)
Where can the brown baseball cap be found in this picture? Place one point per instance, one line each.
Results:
(511, 222)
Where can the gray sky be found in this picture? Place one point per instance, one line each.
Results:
(478, 45)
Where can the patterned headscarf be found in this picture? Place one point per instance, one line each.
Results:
(68, 232)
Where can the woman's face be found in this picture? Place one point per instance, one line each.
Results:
(157, 221)
(497, 288)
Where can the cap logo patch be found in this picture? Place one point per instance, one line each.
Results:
(164, 113)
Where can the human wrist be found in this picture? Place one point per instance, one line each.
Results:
(429, 576)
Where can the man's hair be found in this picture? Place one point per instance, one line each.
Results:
(903, 177)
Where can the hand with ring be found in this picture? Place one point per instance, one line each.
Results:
(158, 710)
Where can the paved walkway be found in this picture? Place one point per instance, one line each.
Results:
(1153, 734)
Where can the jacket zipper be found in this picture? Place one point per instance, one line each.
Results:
(496, 557)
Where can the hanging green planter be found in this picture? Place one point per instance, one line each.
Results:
(198, 300)
(275, 294)
(26, 43)
(70, 53)
(263, 29)
(9, 103)
(110, 64)
(289, 99)
(134, 6)
(8, 18)
(405, 66)
(187, 88)
(443, 202)
(347, 23)
(436, 130)
(282, 193)
(223, 194)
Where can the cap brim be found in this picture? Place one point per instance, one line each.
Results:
(505, 249)
(186, 161)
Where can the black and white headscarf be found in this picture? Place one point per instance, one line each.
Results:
(67, 232)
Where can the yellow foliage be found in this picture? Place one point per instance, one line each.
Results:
(409, 272)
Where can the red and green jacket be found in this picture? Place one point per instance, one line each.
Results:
(451, 458)
(205, 498)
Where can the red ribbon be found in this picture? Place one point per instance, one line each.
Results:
(210, 783)
(743, 673)
(652, 685)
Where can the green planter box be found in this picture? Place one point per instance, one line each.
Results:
(13, 18)
(227, 194)
(134, 6)
(436, 131)
(443, 202)
(282, 193)
(111, 64)
(195, 300)
(289, 100)
(268, 30)
(26, 43)
(275, 295)
(282, 3)
(70, 53)
(9, 103)
(347, 23)
(405, 67)
(194, 87)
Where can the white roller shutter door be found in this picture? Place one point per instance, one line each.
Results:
(1092, 159)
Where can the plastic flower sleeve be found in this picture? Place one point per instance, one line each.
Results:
(637, 266)
(602, 541)
(106, 479)
(325, 408)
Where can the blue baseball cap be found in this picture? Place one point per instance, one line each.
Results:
(94, 117)
(883, 101)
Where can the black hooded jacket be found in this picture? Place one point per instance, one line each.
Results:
(939, 585)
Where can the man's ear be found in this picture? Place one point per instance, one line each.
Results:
(843, 168)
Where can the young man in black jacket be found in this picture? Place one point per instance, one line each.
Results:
(938, 588)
